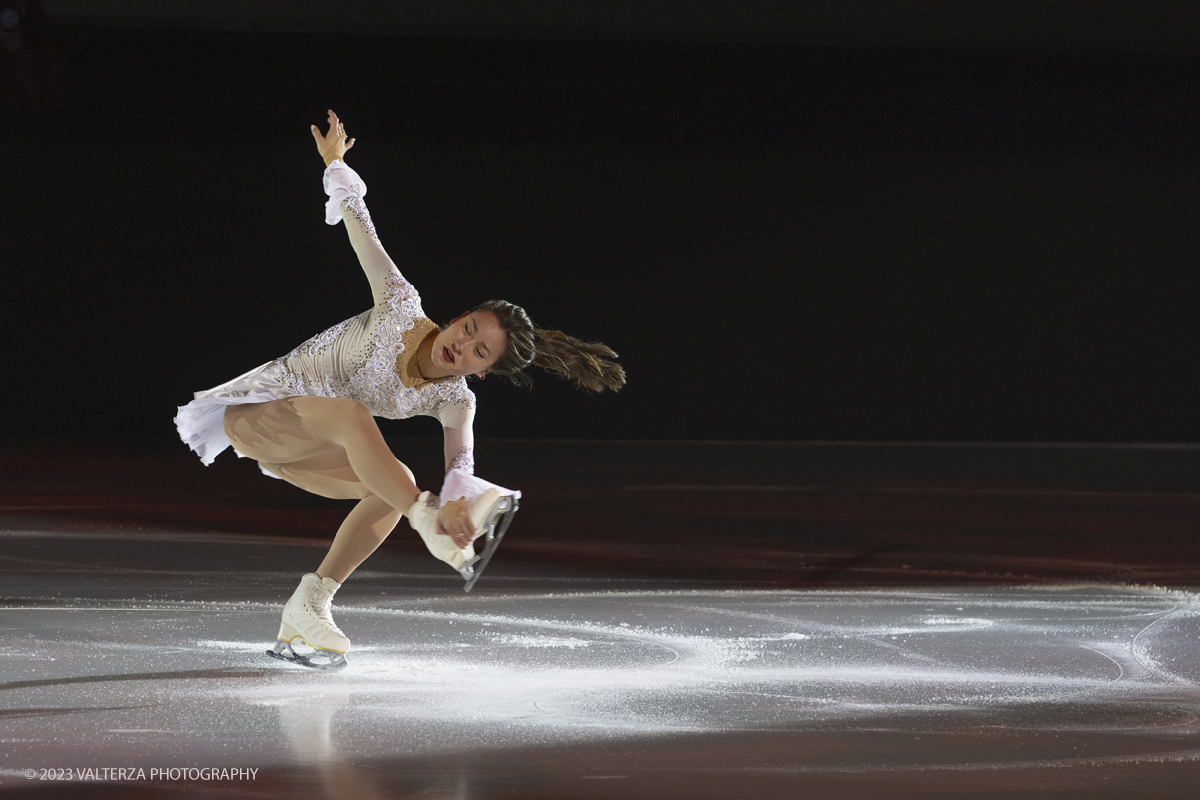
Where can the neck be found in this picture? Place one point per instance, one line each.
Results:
(425, 363)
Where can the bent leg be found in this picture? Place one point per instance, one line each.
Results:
(332, 447)
(295, 429)
(368, 524)
(328, 475)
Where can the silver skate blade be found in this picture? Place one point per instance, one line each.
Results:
(498, 520)
(284, 652)
(467, 570)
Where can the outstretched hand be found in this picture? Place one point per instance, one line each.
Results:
(333, 145)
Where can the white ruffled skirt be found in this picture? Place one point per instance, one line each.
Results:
(201, 425)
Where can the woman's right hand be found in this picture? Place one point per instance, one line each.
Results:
(332, 145)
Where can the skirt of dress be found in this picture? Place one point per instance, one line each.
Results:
(201, 425)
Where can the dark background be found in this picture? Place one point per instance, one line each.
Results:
(863, 221)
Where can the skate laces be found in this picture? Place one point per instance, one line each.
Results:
(320, 603)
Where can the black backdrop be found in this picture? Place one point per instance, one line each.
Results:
(782, 241)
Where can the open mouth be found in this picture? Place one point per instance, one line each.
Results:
(447, 355)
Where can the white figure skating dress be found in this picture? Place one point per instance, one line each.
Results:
(370, 358)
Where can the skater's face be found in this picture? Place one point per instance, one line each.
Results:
(469, 345)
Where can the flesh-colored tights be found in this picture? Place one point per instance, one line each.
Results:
(331, 447)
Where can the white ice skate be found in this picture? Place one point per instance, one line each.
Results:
(490, 515)
(307, 617)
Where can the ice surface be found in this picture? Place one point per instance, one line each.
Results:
(535, 668)
(118, 670)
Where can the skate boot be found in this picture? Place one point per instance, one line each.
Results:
(307, 617)
(490, 515)
(422, 516)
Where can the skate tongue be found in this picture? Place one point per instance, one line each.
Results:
(425, 502)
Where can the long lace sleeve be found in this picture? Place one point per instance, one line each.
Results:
(346, 190)
(460, 481)
(457, 421)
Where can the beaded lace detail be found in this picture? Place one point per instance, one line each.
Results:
(358, 209)
(323, 342)
(368, 374)
(465, 460)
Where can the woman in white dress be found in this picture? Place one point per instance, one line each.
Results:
(308, 417)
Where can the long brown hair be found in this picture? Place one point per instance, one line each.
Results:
(587, 365)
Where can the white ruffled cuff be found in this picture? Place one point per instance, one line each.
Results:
(340, 182)
(459, 483)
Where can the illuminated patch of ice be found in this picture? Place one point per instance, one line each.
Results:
(968, 622)
(541, 641)
(211, 644)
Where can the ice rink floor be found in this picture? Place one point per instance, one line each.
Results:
(877, 622)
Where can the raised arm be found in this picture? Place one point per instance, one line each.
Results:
(346, 190)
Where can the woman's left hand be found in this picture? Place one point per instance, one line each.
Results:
(332, 145)
(454, 521)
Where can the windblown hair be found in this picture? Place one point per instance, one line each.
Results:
(587, 365)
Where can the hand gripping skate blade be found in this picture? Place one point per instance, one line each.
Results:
(284, 652)
(498, 520)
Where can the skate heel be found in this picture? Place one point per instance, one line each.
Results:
(288, 634)
(495, 512)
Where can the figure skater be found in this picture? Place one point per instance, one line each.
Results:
(308, 417)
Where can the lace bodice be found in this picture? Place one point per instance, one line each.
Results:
(367, 357)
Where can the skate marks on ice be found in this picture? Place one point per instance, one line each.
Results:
(1072, 675)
